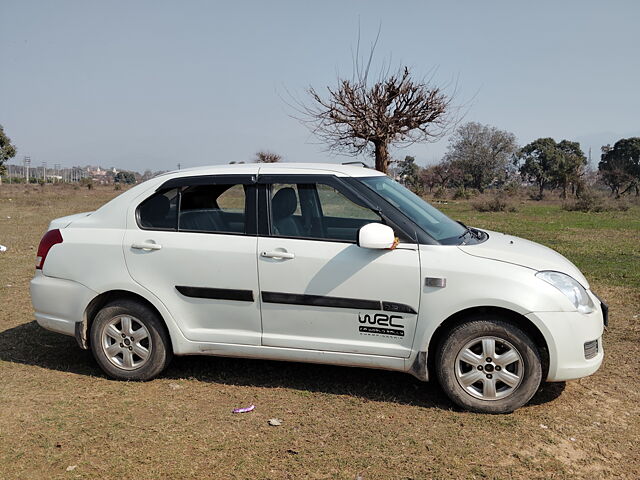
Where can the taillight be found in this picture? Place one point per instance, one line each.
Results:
(49, 240)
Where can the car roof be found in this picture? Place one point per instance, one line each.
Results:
(277, 168)
(111, 213)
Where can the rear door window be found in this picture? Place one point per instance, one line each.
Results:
(160, 211)
(213, 208)
(201, 204)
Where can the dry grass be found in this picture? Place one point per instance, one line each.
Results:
(58, 410)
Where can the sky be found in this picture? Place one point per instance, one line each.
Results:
(150, 84)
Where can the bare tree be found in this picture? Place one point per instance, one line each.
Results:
(359, 116)
(447, 174)
(267, 157)
(428, 178)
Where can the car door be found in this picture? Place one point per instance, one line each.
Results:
(319, 289)
(193, 245)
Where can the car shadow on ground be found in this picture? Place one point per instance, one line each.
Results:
(29, 344)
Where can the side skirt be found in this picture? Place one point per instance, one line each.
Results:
(298, 355)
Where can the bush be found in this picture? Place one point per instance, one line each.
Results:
(512, 188)
(87, 182)
(592, 201)
(622, 206)
(440, 192)
(589, 201)
(461, 193)
(497, 203)
(536, 195)
(13, 180)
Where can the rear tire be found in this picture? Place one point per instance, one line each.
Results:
(488, 365)
(129, 341)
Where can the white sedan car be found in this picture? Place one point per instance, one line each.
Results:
(317, 263)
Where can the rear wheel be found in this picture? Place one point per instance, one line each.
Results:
(489, 365)
(129, 341)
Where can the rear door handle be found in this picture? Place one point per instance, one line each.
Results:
(276, 254)
(146, 246)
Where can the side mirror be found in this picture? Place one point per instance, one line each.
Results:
(376, 235)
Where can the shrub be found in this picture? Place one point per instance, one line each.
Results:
(461, 193)
(592, 201)
(497, 203)
(537, 196)
(87, 182)
(589, 201)
(512, 188)
(622, 206)
(440, 192)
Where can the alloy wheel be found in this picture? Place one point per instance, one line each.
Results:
(489, 368)
(126, 342)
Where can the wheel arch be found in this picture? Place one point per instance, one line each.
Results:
(96, 304)
(424, 364)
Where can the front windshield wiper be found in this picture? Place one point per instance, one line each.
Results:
(469, 231)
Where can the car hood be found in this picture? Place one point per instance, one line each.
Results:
(510, 249)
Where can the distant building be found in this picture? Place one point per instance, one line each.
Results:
(101, 176)
(96, 171)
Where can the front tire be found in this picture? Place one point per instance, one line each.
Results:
(489, 365)
(129, 341)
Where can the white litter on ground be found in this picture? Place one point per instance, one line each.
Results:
(3, 248)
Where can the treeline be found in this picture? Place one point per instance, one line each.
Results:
(481, 157)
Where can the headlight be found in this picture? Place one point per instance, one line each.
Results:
(571, 289)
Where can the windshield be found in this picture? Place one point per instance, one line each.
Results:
(430, 219)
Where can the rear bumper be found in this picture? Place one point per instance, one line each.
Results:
(570, 338)
(59, 304)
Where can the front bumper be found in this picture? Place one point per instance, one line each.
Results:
(570, 338)
(59, 304)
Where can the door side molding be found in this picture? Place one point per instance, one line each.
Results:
(216, 293)
(334, 302)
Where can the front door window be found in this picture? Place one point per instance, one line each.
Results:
(316, 211)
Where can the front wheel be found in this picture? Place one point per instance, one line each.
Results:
(129, 341)
(489, 365)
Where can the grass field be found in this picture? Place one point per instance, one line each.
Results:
(60, 417)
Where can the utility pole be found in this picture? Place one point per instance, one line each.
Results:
(44, 172)
(27, 164)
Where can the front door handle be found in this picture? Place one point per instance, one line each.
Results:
(276, 254)
(146, 246)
